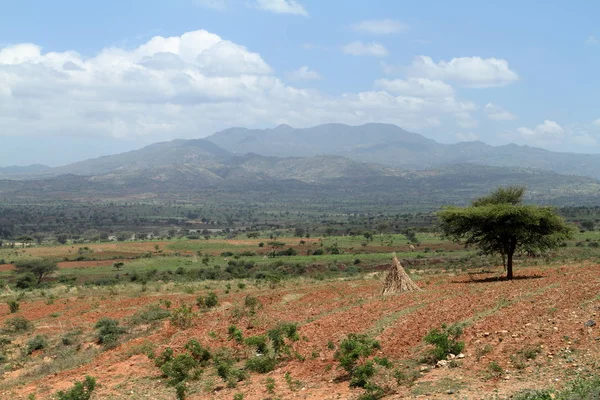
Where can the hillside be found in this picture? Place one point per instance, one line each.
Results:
(332, 182)
(391, 145)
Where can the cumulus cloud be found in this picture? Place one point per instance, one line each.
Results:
(498, 113)
(304, 74)
(547, 129)
(359, 48)
(380, 27)
(467, 136)
(190, 86)
(420, 87)
(473, 72)
(281, 7)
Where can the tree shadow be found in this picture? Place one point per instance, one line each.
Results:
(498, 279)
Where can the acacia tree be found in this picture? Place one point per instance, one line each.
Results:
(500, 224)
(38, 267)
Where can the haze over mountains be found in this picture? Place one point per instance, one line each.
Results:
(332, 160)
(391, 145)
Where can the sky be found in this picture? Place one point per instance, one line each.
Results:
(80, 79)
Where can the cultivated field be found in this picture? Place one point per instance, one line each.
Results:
(525, 334)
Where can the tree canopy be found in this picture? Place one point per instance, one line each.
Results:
(38, 267)
(500, 224)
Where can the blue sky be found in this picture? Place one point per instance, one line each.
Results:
(82, 79)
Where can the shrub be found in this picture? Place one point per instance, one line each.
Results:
(18, 324)
(13, 305)
(182, 316)
(80, 391)
(261, 364)
(352, 355)
(150, 314)
(225, 366)
(109, 332)
(258, 342)
(282, 331)
(39, 342)
(234, 333)
(210, 301)
(180, 368)
(495, 370)
(199, 353)
(164, 357)
(445, 342)
(534, 395)
(180, 391)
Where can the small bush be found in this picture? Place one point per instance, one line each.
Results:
(495, 370)
(80, 391)
(180, 368)
(282, 331)
(210, 301)
(261, 364)
(252, 304)
(182, 317)
(234, 333)
(69, 338)
(225, 366)
(258, 342)
(199, 353)
(180, 390)
(18, 324)
(13, 306)
(445, 342)
(150, 314)
(534, 395)
(39, 342)
(352, 355)
(109, 332)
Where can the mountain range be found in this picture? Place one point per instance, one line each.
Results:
(372, 162)
(390, 145)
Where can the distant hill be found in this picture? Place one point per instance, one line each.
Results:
(391, 145)
(326, 182)
(27, 170)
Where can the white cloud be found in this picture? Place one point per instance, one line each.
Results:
(213, 4)
(380, 27)
(498, 113)
(467, 137)
(592, 41)
(190, 86)
(547, 129)
(473, 72)
(420, 87)
(359, 48)
(596, 122)
(281, 7)
(304, 74)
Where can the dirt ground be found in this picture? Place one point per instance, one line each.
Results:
(545, 308)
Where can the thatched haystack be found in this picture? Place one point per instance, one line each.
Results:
(397, 280)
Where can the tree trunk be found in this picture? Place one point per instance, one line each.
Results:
(509, 266)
